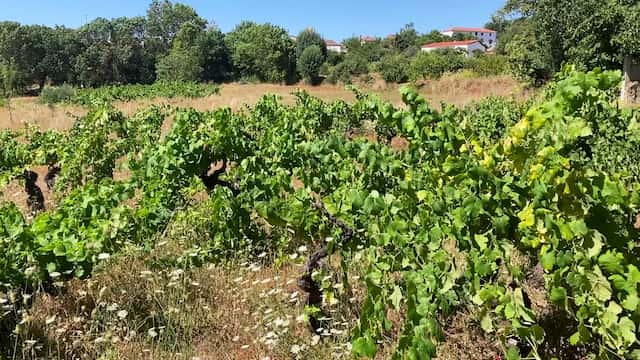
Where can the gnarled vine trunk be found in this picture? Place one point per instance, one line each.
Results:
(631, 84)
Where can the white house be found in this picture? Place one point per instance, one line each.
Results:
(335, 46)
(488, 37)
(470, 47)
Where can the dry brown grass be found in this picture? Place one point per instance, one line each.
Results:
(456, 89)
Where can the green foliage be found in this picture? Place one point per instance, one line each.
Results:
(181, 65)
(56, 94)
(432, 65)
(310, 37)
(165, 20)
(487, 65)
(9, 78)
(107, 94)
(393, 69)
(113, 52)
(406, 38)
(263, 51)
(352, 66)
(215, 56)
(310, 62)
(527, 61)
(440, 222)
(547, 34)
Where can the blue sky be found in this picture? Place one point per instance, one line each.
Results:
(335, 19)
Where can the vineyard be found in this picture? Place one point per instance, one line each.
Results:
(476, 210)
(109, 94)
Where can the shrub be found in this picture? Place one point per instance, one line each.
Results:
(432, 65)
(488, 65)
(309, 63)
(334, 58)
(344, 72)
(51, 95)
(393, 69)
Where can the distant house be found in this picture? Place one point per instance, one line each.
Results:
(367, 39)
(488, 37)
(470, 47)
(335, 46)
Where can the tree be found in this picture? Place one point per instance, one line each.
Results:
(180, 65)
(184, 62)
(164, 21)
(432, 37)
(406, 38)
(262, 51)
(9, 76)
(589, 33)
(310, 37)
(24, 47)
(309, 63)
(113, 52)
(216, 60)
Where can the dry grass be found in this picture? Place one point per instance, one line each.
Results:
(456, 89)
(134, 310)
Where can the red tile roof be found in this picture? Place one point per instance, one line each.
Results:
(367, 38)
(469, 29)
(332, 43)
(449, 44)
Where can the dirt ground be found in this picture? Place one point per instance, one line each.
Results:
(454, 89)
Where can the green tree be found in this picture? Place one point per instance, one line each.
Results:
(589, 33)
(393, 68)
(406, 38)
(432, 37)
(164, 21)
(113, 52)
(310, 62)
(216, 59)
(309, 37)
(262, 51)
(180, 65)
(9, 77)
(184, 61)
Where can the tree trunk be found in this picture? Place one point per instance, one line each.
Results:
(631, 82)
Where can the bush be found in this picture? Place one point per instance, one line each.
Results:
(432, 65)
(344, 72)
(334, 58)
(488, 65)
(393, 69)
(51, 95)
(181, 65)
(309, 63)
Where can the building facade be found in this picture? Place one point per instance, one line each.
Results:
(470, 47)
(488, 37)
(335, 46)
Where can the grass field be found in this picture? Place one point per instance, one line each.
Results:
(454, 89)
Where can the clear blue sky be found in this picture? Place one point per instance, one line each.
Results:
(335, 19)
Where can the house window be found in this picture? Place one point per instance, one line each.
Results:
(476, 33)
(490, 42)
